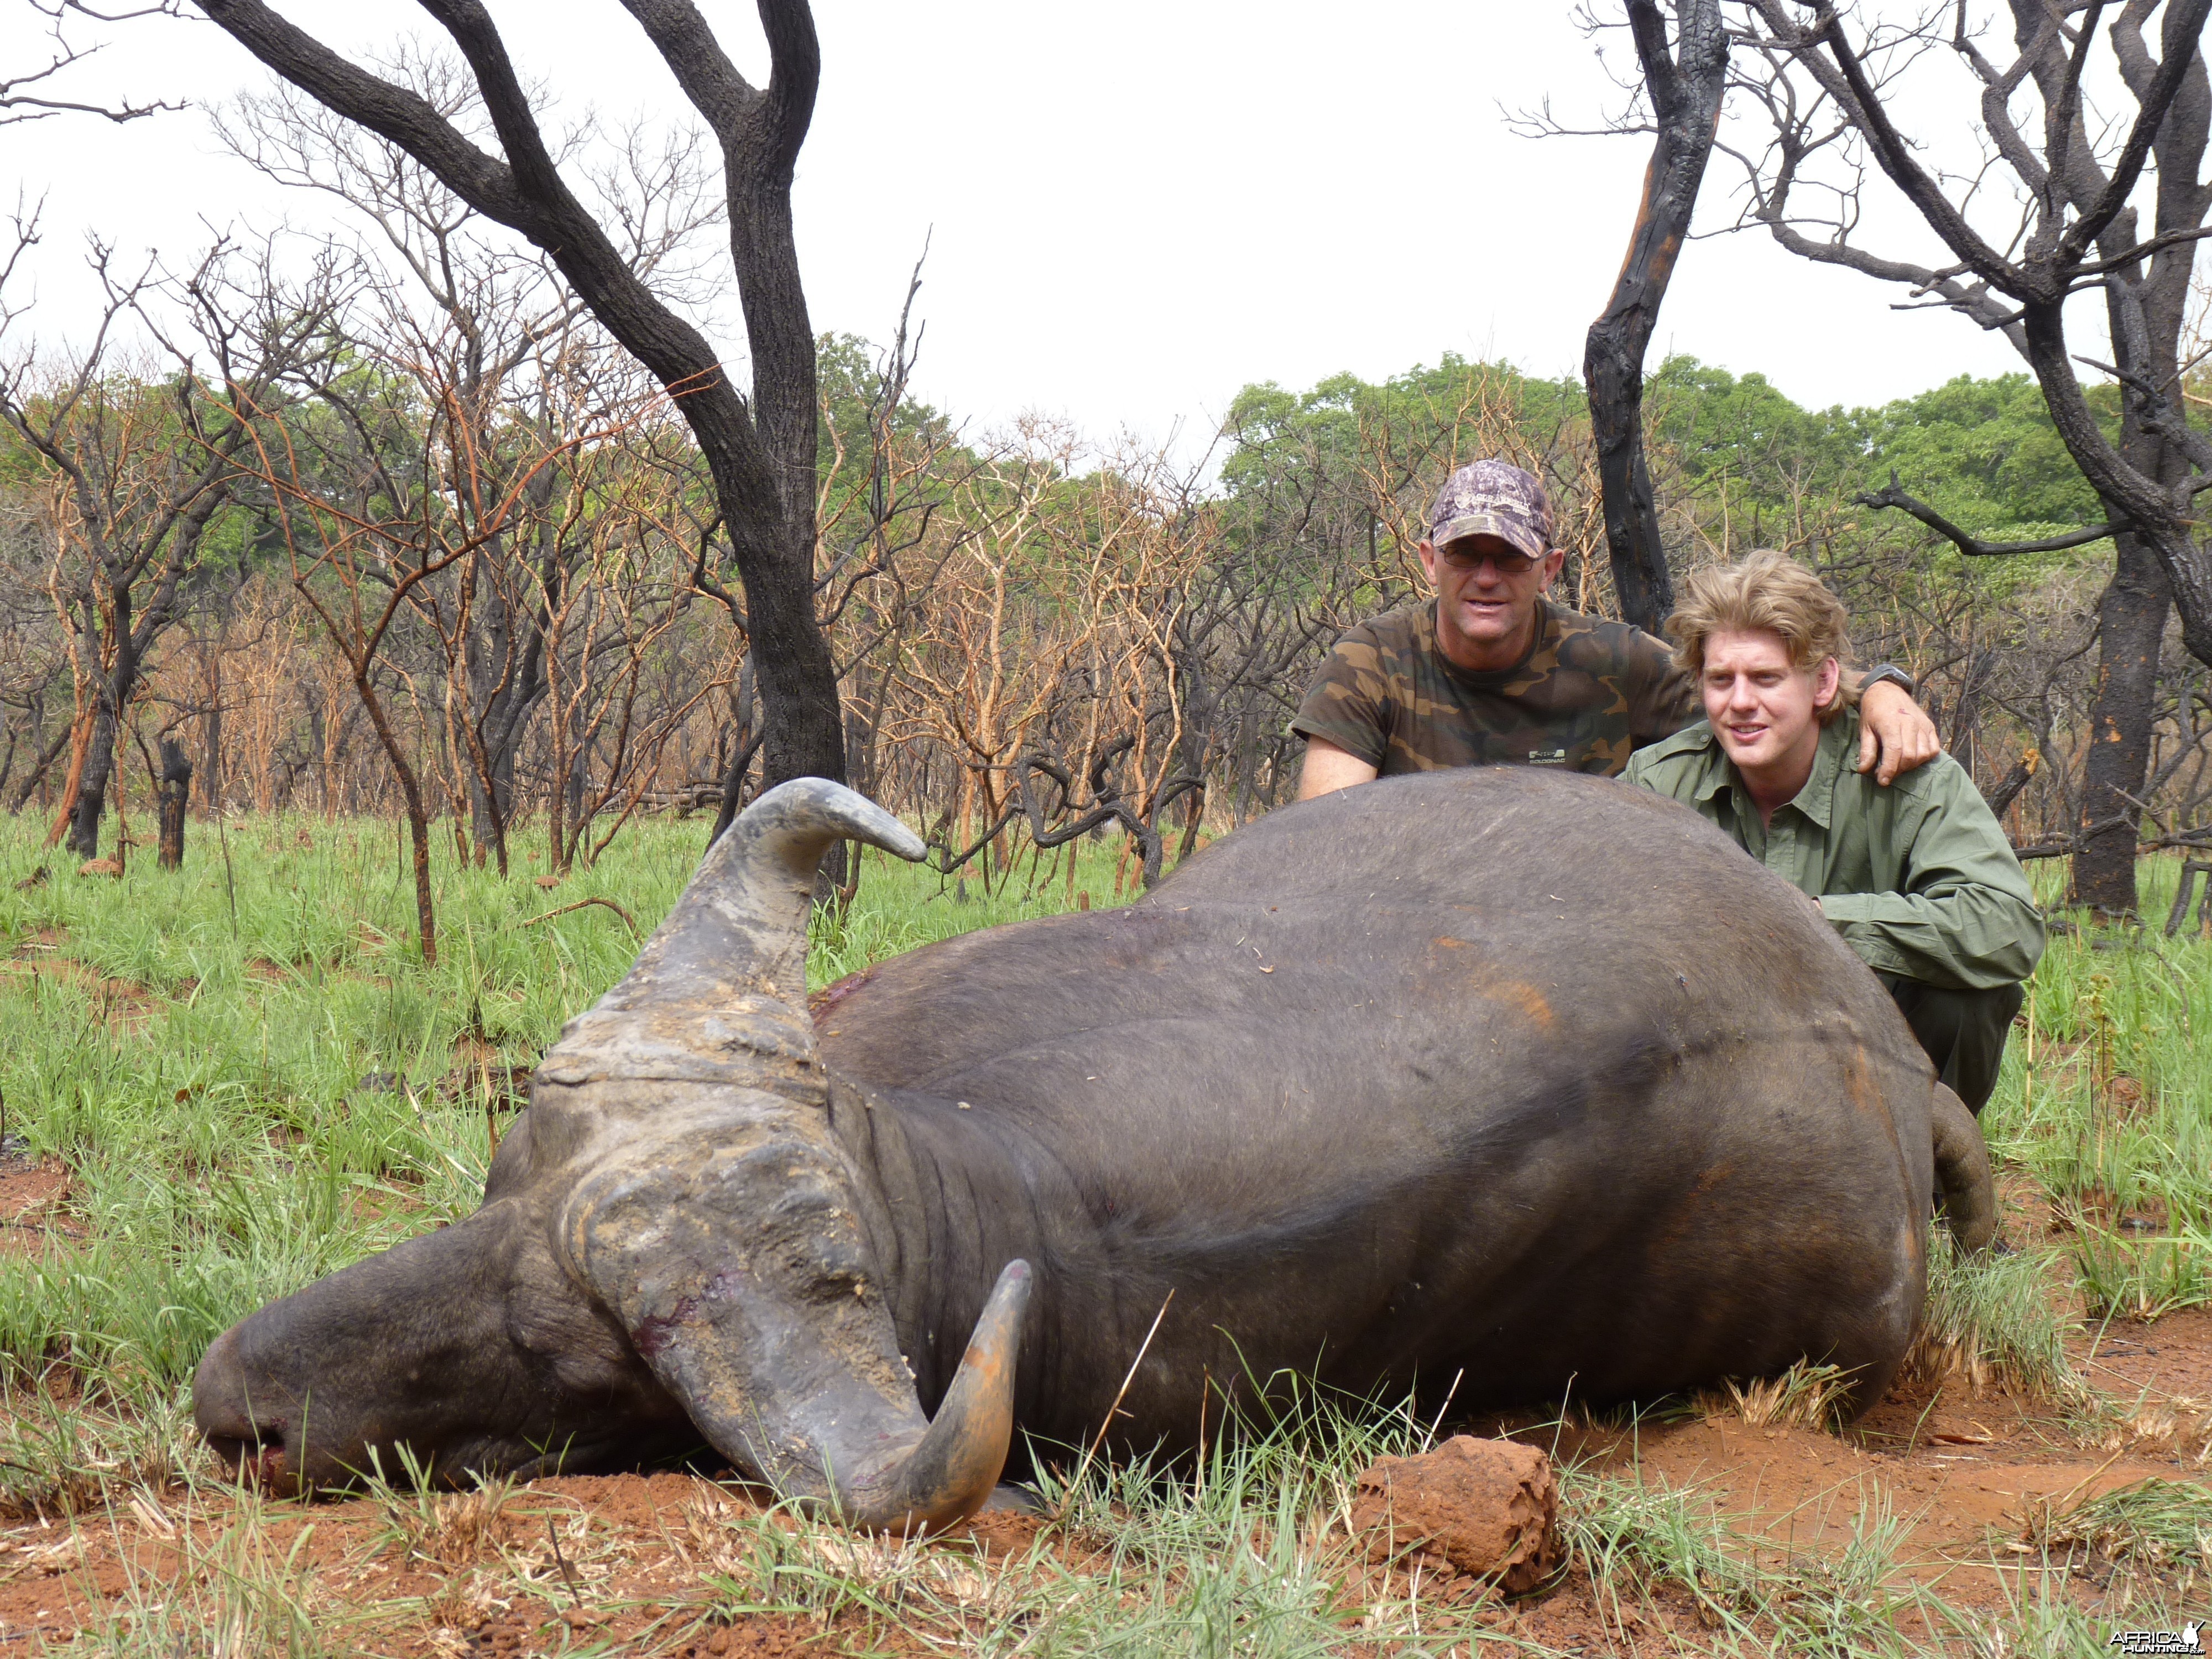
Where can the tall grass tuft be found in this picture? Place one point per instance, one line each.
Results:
(1990, 1321)
(1806, 1397)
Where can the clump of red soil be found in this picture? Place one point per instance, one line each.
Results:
(1489, 1509)
(32, 1194)
(756, 1638)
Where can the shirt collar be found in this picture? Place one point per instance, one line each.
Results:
(1817, 799)
(1719, 773)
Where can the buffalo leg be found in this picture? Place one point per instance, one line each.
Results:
(1962, 1173)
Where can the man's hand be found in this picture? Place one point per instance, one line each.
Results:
(1328, 769)
(1895, 730)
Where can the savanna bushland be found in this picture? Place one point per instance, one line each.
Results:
(235, 1076)
(381, 640)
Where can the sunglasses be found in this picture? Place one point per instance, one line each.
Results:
(1465, 559)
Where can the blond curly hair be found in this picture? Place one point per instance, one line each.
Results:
(1767, 592)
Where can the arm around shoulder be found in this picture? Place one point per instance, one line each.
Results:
(1895, 729)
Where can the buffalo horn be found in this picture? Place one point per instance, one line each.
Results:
(719, 993)
(720, 1225)
(955, 1464)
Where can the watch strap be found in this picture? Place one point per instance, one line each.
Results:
(1890, 671)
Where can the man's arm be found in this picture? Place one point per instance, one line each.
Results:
(1328, 769)
(1345, 713)
(1892, 726)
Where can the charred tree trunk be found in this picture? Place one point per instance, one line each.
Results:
(2130, 620)
(91, 800)
(175, 794)
(759, 451)
(744, 746)
(1685, 91)
(107, 729)
(2146, 304)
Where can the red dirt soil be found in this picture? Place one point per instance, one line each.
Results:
(124, 1005)
(32, 1194)
(638, 1555)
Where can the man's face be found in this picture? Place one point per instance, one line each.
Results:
(1487, 594)
(1760, 703)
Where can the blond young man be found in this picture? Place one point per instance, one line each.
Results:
(1918, 877)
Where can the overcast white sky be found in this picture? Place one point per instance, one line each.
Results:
(1136, 208)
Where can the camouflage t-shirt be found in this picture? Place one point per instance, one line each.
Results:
(1589, 693)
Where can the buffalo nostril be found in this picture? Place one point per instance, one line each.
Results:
(259, 1462)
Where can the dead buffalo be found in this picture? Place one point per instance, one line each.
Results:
(1524, 1078)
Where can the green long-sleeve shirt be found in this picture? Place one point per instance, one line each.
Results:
(1918, 877)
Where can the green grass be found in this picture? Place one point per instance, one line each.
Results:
(246, 1104)
(2164, 1525)
(247, 1095)
(2110, 1108)
(1992, 1319)
(1871, 1595)
(1246, 1556)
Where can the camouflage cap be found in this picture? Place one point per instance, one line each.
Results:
(1493, 498)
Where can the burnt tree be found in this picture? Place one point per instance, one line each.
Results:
(1685, 91)
(1824, 98)
(174, 792)
(760, 451)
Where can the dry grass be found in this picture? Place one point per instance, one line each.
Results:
(1806, 1397)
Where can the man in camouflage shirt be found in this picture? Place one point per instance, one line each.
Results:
(1492, 672)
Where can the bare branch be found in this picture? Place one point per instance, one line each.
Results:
(2185, 24)
(1871, 117)
(1973, 546)
(18, 106)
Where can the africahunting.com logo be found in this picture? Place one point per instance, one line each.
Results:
(2185, 1640)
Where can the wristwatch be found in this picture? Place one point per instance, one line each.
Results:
(1890, 671)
